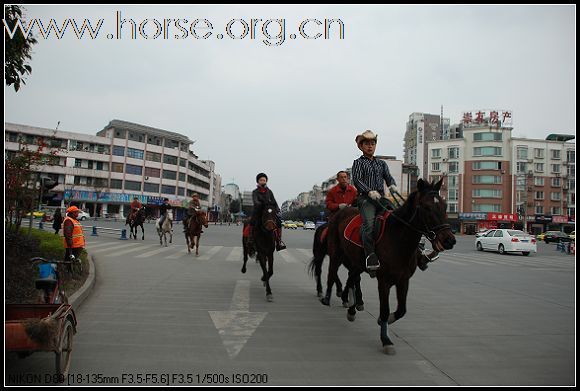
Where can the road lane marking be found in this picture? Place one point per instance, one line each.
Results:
(235, 255)
(132, 250)
(207, 256)
(154, 252)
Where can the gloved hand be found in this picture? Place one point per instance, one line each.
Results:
(393, 189)
(374, 195)
(342, 206)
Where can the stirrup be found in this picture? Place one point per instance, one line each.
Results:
(372, 262)
(432, 256)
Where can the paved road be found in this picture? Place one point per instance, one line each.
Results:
(158, 315)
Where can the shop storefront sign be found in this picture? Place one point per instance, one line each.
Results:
(473, 216)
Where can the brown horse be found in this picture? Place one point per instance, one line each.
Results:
(265, 244)
(135, 220)
(249, 250)
(193, 230)
(424, 213)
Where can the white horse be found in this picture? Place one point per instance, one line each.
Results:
(167, 228)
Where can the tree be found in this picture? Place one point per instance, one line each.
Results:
(17, 48)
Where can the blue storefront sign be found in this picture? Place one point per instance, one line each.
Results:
(473, 216)
(83, 195)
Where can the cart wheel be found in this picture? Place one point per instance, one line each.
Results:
(62, 359)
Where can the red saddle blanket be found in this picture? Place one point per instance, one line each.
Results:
(352, 230)
(246, 232)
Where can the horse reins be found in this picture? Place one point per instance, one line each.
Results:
(430, 234)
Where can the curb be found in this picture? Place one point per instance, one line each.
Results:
(77, 298)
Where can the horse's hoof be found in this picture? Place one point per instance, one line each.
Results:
(389, 350)
(325, 301)
(360, 307)
(269, 298)
(351, 318)
(319, 294)
(339, 293)
(391, 318)
(345, 304)
(244, 270)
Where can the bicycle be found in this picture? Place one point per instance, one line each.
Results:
(49, 282)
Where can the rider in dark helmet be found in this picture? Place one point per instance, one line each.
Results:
(261, 197)
(163, 208)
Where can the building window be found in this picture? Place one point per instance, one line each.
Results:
(436, 153)
(118, 151)
(538, 181)
(487, 208)
(454, 167)
(486, 193)
(453, 195)
(556, 182)
(168, 174)
(555, 168)
(151, 187)
(182, 176)
(183, 162)
(153, 140)
(166, 189)
(556, 210)
(453, 152)
(135, 153)
(180, 191)
(170, 159)
(132, 169)
(571, 156)
(78, 163)
(556, 196)
(487, 179)
(486, 165)
(487, 136)
(539, 210)
(556, 153)
(116, 184)
(153, 157)
(539, 195)
(452, 207)
(171, 143)
(522, 153)
(539, 167)
(117, 167)
(571, 171)
(538, 153)
(132, 185)
(435, 166)
(487, 151)
(452, 181)
(521, 167)
(153, 172)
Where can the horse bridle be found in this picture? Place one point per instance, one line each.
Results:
(429, 233)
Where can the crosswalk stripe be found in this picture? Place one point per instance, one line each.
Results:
(119, 246)
(210, 253)
(93, 245)
(155, 252)
(235, 255)
(132, 250)
(178, 254)
(306, 252)
(287, 257)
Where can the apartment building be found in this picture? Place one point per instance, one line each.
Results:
(122, 161)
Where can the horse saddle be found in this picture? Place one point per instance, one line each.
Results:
(247, 230)
(352, 230)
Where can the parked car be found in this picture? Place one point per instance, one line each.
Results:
(572, 235)
(482, 233)
(556, 236)
(37, 214)
(319, 223)
(540, 237)
(309, 225)
(507, 240)
(83, 215)
(290, 225)
(299, 223)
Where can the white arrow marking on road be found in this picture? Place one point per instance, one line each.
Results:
(237, 325)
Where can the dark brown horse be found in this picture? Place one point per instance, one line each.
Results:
(136, 220)
(194, 229)
(265, 244)
(249, 250)
(320, 250)
(424, 213)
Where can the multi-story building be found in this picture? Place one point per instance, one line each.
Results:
(422, 128)
(103, 173)
(494, 180)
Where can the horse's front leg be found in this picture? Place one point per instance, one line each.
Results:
(402, 290)
(142, 232)
(269, 296)
(262, 259)
(388, 346)
(187, 242)
(197, 238)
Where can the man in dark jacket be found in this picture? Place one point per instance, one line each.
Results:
(261, 197)
(163, 208)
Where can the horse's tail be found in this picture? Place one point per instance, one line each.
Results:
(319, 249)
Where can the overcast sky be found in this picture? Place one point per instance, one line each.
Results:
(292, 110)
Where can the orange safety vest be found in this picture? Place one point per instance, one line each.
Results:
(78, 238)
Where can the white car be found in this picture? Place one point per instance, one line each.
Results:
(507, 240)
(83, 215)
(309, 225)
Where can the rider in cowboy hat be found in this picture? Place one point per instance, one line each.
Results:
(368, 175)
(193, 206)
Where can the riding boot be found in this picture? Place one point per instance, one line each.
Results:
(279, 243)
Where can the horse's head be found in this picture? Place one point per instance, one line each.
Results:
(268, 217)
(432, 215)
(202, 216)
(169, 214)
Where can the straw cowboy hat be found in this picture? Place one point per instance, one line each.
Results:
(366, 135)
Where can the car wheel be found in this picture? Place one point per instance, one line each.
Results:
(546, 240)
(83, 218)
(501, 249)
(526, 253)
(479, 246)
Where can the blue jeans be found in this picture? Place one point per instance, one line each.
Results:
(368, 211)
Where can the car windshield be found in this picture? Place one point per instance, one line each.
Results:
(517, 233)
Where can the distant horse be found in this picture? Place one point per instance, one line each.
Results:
(166, 228)
(193, 230)
(249, 249)
(423, 213)
(136, 220)
(320, 250)
(263, 234)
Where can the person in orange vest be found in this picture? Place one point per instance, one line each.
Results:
(74, 238)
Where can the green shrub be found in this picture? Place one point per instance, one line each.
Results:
(50, 245)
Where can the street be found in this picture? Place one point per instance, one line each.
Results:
(160, 316)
